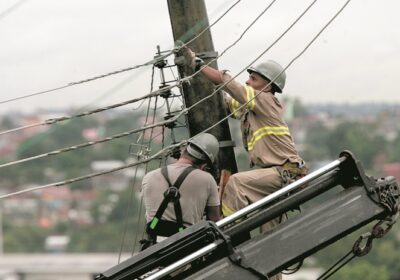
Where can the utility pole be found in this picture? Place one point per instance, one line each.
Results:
(188, 18)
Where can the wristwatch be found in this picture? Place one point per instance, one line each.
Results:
(198, 63)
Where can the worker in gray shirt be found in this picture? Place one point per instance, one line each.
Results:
(177, 196)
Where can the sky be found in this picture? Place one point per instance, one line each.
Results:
(47, 44)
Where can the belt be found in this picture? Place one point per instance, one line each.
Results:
(287, 165)
(299, 169)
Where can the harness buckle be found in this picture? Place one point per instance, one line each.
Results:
(172, 193)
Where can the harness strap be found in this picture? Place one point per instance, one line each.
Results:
(170, 195)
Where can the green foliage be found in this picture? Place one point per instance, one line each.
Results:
(97, 238)
(383, 258)
(22, 239)
(77, 162)
(315, 150)
(361, 139)
(362, 270)
(116, 218)
(393, 150)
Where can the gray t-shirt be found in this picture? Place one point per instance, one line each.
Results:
(198, 190)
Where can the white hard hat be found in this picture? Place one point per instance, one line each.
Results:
(204, 147)
(271, 71)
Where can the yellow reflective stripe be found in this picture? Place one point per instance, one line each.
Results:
(235, 105)
(267, 130)
(226, 211)
(250, 97)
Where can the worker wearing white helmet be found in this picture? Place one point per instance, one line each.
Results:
(177, 195)
(266, 136)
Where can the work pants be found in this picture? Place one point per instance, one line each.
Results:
(245, 188)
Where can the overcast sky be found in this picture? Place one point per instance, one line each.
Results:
(47, 44)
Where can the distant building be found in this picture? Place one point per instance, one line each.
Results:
(55, 266)
(115, 181)
(392, 169)
(56, 243)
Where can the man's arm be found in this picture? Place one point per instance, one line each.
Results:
(212, 213)
(211, 74)
(240, 93)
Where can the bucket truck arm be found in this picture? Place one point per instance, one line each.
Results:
(219, 251)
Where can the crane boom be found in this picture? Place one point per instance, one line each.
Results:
(227, 249)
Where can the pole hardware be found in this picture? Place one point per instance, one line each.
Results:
(142, 153)
(160, 62)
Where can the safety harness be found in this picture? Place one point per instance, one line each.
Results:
(159, 227)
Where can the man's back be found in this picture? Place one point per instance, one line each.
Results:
(197, 191)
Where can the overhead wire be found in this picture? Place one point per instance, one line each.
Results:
(252, 62)
(140, 206)
(141, 138)
(91, 143)
(151, 94)
(87, 113)
(151, 62)
(165, 151)
(160, 153)
(154, 93)
(166, 102)
(126, 219)
(287, 66)
(11, 9)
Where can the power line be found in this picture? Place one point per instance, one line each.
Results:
(239, 38)
(162, 152)
(151, 62)
(98, 110)
(254, 60)
(169, 87)
(90, 143)
(136, 168)
(208, 27)
(290, 63)
(172, 147)
(11, 9)
(151, 94)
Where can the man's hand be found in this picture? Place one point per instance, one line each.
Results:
(189, 56)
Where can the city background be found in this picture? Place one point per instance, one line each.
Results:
(101, 216)
(341, 94)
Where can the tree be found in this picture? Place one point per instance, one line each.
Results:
(362, 270)
(394, 149)
(315, 147)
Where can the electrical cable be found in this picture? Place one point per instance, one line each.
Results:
(170, 148)
(141, 138)
(151, 62)
(252, 62)
(140, 215)
(98, 110)
(56, 152)
(151, 94)
(287, 66)
(207, 28)
(162, 153)
(11, 9)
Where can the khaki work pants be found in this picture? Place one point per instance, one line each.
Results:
(245, 188)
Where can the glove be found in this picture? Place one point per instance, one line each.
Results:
(198, 62)
(190, 58)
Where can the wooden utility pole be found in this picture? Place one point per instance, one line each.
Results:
(188, 18)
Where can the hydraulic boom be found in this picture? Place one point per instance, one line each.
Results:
(226, 250)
